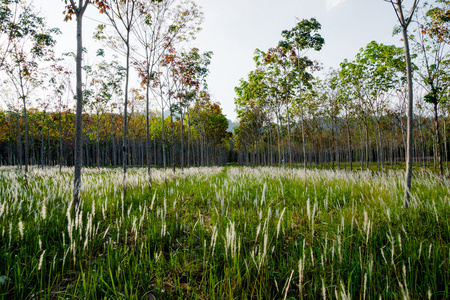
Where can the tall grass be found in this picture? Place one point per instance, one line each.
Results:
(224, 233)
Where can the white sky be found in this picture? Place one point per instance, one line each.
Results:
(233, 29)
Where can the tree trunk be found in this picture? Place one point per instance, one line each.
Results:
(301, 113)
(408, 174)
(163, 137)
(391, 146)
(445, 144)
(125, 116)
(279, 145)
(98, 141)
(147, 127)
(25, 116)
(60, 142)
(381, 158)
(349, 141)
(362, 150)
(172, 142)
(19, 142)
(423, 147)
(367, 144)
(438, 140)
(182, 144)
(188, 161)
(42, 141)
(78, 123)
(289, 136)
(49, 148)
(336, 141)
(114, 153)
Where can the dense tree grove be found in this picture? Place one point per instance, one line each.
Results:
(51, 138)
(153, 108)
(353, 116)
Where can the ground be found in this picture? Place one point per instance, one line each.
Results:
(224, 233)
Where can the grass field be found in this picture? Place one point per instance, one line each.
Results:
(224, 233)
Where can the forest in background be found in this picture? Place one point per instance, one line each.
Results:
(286, 113)
(356, 113)
(123, 100)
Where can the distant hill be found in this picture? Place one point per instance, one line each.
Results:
(231, 126)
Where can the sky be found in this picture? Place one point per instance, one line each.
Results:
(233, 29)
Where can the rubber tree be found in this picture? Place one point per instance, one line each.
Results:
(438, 15)
(346, 102)
(303, 37)
(192, 73)
(159, 26)
(328, 93)
(266, 81)
(181, 80)
(165, 88)
(352, 76)
(214, 125)
(252, 107)
(106, 79)
(11, 19)
(404, 18)
(279, 65)
(30, 43)
(383, 67)
(369, 81)
(58, 82)
(122, 17)
(438, 27)
(434, 54)
(78, 10)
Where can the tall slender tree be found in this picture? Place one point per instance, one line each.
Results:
(160, 25)
(434, 69)
(404, 19)
(78, 10)
(30, 43)
(302, 37)
(122, 16)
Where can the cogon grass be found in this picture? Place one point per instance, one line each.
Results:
(235, 232)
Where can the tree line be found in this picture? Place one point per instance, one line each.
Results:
(292, 111)
(76, 98)
(51, 138)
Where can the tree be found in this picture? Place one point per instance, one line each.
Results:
(303, 37)
(122, 16)
(58, 82)
(435, 67)
(106, 80)
(383, 67)
(352, 76)
(160, 25)
(345, 99)
(404, 21)
(252, 103)
(439, 20)
(282, 67)
(213, 125)
(30, 43)
(14, 16)
(192, 72)
(369, 81)
(78, 11)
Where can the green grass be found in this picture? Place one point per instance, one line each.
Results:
(373, 166)
(224, 233)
